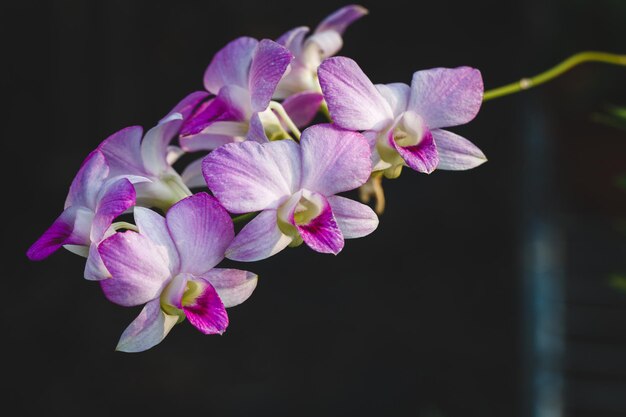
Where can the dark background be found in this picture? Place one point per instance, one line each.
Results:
(482, 293)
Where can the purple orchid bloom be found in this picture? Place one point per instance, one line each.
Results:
(170, 267)
(293, 186)
(94, 201)
(299, 87)
(147, 162)
(243, 76)
(402, 123)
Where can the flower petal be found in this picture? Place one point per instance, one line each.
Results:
(122, 151)
(231, 104)
(153, 226)
(397, 95)
(57, 235)
(192, 174)
(353, 101)
(455, 152)
(293, 39)
(269, 64)
(333, 159)
(354, 219)
(154, 147)
(256, 131)
(138, 267)
(446, 97)
(147, 330)
(230, 65)
(234, 286)
(201, 230)
(342, 18)
(422, 157)
(322, 234)
(88, 181)
(117, 197)
(248, 176)
(94, 267)
(302, 107)
(207, 313)
(188, 105)
(259, 239)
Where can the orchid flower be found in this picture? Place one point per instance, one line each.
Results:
(243, 76)
(147, 162)
(169, 266)
(94, 201)
(293, 186)
(299, 87)
(403, 123)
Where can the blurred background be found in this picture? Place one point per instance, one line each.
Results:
(495, 292)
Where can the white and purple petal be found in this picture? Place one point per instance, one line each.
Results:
(88, 181)
(201, 230)
(60, 233)
(188, 105)
(153, 226)
(397, 95)
(233, 286)
(446, 97)
(353, 218)
(293, 39)
(147, 330)
(269, 64)
(302, 107)
(333, 159)
(122, 151)
(339, 20)
(259, 239)
(139, 268)
(206, 312)
(230, 66)
(353, 101)
(455, 152)
(322, 233)
(116, 197)
(248, 176)
(155, 144)
(422, 157)
(192, 174)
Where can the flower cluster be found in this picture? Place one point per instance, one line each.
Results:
(245, 130)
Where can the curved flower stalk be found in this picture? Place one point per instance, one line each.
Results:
(299, 87)
(404, 123)
(95, 199)
(169, 266)
(294, 187)
(242, 76)
(146, 162)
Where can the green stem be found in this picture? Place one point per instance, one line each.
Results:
(244, 217)
(569, 63)
(280, 111)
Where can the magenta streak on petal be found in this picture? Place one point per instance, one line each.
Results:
(217, 109)
(206, 312)
(57, 235)
(188, 105)
(422, 157)
(322, 234)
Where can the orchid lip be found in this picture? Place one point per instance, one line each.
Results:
(299, 210)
